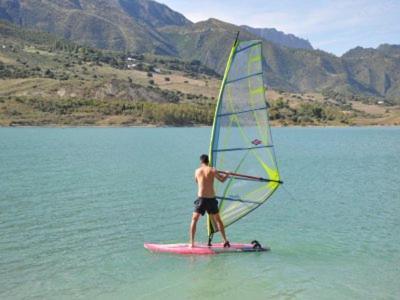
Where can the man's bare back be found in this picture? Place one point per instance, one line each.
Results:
(205, 180)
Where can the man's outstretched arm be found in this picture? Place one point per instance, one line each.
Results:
(220, 177)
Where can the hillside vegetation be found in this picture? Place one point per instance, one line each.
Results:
(144, 26)
(49, 81)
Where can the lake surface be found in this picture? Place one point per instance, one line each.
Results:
(77, 204)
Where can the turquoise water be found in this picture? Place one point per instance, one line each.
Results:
(77, 204)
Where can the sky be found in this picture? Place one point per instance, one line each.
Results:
(332, 26)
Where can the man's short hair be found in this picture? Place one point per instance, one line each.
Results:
(204, 159)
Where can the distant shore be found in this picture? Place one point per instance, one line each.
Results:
(191, 126)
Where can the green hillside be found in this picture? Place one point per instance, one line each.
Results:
(144, 26)
(45, 80)
(49, 81)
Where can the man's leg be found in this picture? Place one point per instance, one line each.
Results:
(220, 225)
(195, 218)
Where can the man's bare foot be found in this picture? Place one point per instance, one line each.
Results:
(191, 245)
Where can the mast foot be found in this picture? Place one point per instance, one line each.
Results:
(209, 240)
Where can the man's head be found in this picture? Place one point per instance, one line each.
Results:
(204, 159)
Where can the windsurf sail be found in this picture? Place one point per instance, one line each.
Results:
(241, 140)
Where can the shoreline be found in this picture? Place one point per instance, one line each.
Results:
(193, 126)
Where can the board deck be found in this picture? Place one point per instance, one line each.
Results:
(202, 249)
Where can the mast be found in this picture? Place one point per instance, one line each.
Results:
(215, 130)
(221, 91)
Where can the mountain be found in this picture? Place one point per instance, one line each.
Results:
(145, 26)
(279, 37)
(368, 72)
(153, 13)
(46, 80)
(105, 24)
(375, 71)
(295, 70)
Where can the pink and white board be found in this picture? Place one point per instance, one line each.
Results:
(202, 249)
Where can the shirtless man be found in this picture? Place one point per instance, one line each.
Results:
(206, 200)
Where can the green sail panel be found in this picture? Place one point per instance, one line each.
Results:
(241, 140)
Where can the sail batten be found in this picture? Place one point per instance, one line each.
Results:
(241, 149)
(241, 139)
(243, 78)
(243, 111)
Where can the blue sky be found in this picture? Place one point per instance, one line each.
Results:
(333, 26)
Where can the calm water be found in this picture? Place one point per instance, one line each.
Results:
(76, 206)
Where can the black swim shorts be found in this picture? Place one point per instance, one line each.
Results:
(209, 205)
